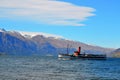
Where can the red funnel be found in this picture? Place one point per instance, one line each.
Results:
(79, 50)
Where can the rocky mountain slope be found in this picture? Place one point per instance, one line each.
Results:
(116, 53)
(28, 43)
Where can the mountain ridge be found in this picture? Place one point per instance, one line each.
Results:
(15, 43)
(115, 53)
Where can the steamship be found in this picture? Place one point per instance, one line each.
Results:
(78, 55)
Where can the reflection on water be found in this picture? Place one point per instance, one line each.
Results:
(51, 68)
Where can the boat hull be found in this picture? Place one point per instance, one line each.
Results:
(83, 56)
(65, 56)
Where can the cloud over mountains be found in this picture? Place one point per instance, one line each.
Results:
(46, 11)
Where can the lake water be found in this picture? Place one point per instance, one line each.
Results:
(50, 68)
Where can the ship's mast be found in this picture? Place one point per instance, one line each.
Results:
(67, 48)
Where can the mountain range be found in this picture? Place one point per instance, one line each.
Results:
(33, 43)
(115, 53)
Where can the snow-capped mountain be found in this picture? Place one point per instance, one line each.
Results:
(32, 34)
(33, 43)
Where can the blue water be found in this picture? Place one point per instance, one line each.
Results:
(50, 68)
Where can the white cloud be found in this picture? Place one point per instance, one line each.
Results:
(46, 11)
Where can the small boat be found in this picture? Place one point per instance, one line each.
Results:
(78, 55)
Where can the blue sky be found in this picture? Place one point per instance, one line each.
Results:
(93, 22)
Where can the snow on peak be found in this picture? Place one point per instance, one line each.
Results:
(32, 34)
